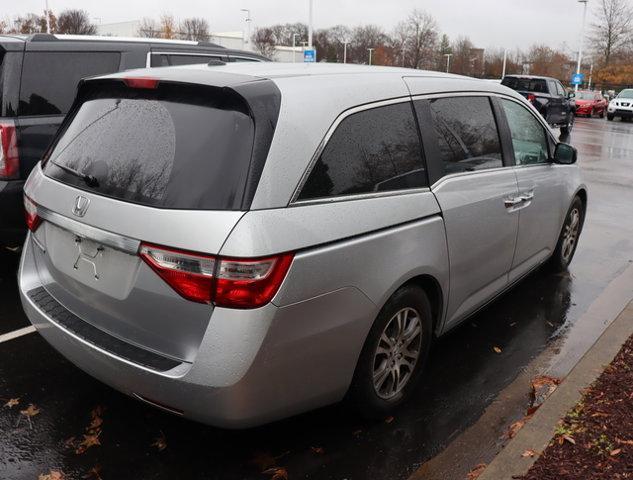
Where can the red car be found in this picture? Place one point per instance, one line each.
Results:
(590, 103)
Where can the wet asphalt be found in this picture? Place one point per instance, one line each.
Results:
(464, 376)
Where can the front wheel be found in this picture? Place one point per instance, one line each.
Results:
(394, 353)
(610, 117)
(601, 113)
(569, 235)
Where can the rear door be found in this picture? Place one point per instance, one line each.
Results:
(476, 189)
(541, 188)
(555, 108)
(49, 83)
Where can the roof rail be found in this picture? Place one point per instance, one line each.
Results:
(215, 62)
(41, 37)
(209, 44)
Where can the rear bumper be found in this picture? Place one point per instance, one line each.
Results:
(12, 226)
(253, 367)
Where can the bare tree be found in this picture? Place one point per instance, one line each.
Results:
(264, 41)
(611, 30)
(364, 38)
(195, 29)
(75, 22)
(29, 24)
(462, 61)
(148, 28)
(168, 26)
(416, 39)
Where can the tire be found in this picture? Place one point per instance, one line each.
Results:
(566, 130)
(601, 114)
(610, 117)
(566, 246)
(375, 394)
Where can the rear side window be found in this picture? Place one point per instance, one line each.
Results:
(49, 79)
(466, 133)
(179, 147)
(526, 84)
(10, 65)
(375, 150)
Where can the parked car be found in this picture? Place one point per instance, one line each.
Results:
(38, 81)
(590, 103)
(548, 97)
(242, 243)
(621, 106)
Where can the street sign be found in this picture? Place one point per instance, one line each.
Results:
(309, 56)
(577, 78)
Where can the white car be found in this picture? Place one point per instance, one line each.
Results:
(621, 106)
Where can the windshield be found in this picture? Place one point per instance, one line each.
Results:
(626, 94)
(172, 147)
(586, 96)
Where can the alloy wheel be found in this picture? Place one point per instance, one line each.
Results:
(397, 353)
(570, 234)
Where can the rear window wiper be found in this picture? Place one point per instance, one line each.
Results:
(90, 180)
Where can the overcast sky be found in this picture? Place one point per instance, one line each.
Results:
(488, 23)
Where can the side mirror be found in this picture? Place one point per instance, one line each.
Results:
(565, 154)
(571, 95)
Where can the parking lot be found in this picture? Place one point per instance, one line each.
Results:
(465, 375)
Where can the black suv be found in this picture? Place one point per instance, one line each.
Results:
(38, 81)
(548, 96)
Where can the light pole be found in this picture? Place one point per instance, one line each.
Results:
(590, 77)
(582, 37)
(345, 44)
(248, 27)
(448, 61)
(294, 46)
(370, 52)
(310, 21)
(48, 19)
(505, 63)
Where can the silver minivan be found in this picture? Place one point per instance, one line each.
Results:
(237, 244)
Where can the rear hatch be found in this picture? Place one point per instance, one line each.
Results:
(149, 168)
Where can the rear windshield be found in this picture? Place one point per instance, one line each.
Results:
(180, 147)
(525, 84)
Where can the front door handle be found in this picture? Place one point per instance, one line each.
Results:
(512, 202)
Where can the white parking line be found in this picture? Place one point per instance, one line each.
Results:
(16, 334)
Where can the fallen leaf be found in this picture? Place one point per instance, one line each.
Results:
(615, 452)
(52, 475)
(515, 427)
(624, 442)
(570, 439)
(12, 402)
(318, 450)
(276, 473)
(477, 471)
(30, 411)
(70, 442)
(528, 453)
(496, 349)
(389, 419)
(95, 423)
(90, 440)
(94, 473)
(160, 442)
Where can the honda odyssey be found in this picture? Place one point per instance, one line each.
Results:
(237, 244)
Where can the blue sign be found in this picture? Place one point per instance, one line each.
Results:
(577, 78)
(309, 56)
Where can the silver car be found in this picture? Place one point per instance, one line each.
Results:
(241, 243)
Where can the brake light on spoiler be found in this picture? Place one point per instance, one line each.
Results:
(227, 282)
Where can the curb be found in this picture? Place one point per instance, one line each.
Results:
(538, 432)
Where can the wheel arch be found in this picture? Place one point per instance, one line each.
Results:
(435, 294)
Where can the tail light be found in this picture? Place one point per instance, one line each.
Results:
(227, 282)
(531, 98)
(30, 214)
(9, 160)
